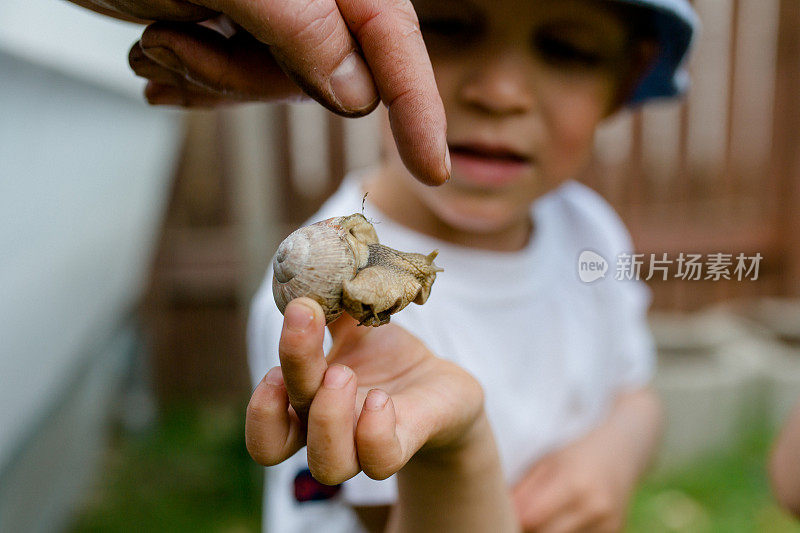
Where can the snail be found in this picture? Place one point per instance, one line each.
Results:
(340, 264)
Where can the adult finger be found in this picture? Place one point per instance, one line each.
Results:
(182, 95)
(237, 66)
(332, 456)
(158, 9)
(273, 433)
(389, 35)
(145, 67)
(167, 87)
(312, 43)
(300, 351)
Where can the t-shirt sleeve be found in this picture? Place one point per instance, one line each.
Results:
(632, 350)
(632, 343)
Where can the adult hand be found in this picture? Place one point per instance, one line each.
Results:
(345, 55)
(379, 398)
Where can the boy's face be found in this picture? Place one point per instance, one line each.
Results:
(524, 84)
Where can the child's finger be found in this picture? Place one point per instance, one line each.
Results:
(533, 480)
(546, 504)
(300, 350)
(332, 455)
(567, 521)
(380, 453)
(273, 433)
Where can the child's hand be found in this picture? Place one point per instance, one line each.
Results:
(380, 397)
(587, 485)
(577, 488)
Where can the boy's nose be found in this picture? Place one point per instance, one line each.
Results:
(500, 86)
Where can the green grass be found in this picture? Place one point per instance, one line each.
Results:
(726, 493)
(192, 473)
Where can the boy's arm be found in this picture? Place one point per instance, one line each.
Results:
(454, 490)
(460, 489)
(784, 465)
(588, 484)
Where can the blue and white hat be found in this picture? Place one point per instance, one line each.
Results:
(675, 24)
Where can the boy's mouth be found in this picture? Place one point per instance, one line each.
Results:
(488, 165)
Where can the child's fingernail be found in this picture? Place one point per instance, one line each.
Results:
(274, 376)
(376, 400)
(337, 376)
(298, 316)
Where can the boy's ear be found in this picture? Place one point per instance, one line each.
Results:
(643, 54)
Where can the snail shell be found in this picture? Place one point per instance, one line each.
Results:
(340, 264)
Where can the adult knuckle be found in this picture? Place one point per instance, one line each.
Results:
(317, 22)
(397, 14)
(404, 8)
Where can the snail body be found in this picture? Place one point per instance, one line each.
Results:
(340, 264)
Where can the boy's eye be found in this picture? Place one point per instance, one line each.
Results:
(453, 30)
(559, 51)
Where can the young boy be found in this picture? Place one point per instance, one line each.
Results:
(564, 365)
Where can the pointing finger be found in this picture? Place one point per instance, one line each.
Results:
(389, 35)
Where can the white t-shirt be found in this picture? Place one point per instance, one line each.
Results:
(550, 350)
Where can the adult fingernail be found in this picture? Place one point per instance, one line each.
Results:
(448, 166)
(166, 58)
(337, 376)
(376, 400)
(298, 316)
(274, 376)
(351, 84)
